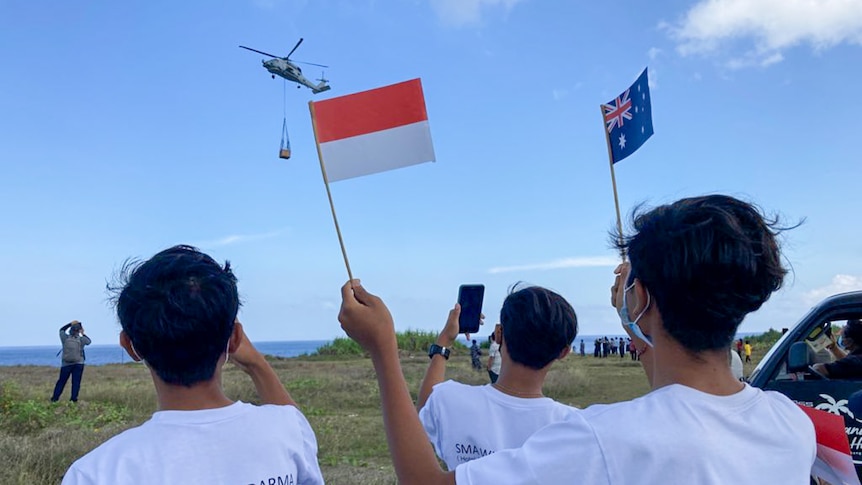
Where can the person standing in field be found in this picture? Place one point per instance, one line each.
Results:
(583, 348)
(494, 360)
(476, 356)
(747, 351)
(178, 313)
(739, 346)
(73, 357)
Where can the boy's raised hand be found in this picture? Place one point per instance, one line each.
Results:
(242, 353)
(366, 319)
(449, 333)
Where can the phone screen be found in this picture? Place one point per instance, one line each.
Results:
(470, 298)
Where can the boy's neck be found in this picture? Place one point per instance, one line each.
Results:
(707, 371)
(521, 381)
(203, 395)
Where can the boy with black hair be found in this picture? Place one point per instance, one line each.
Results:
(698, 267)
(178, 315)
(463, 422)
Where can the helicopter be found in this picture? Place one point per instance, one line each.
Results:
(284, 67)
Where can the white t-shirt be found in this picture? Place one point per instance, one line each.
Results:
(675, 434)
(494, 353)
(240, 444)
(467, 422)
(736, 365)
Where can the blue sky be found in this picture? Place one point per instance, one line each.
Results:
(130, 127)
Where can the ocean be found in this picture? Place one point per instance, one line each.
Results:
(114, 354)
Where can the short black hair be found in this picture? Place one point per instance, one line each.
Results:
(853, 330)
(537, 324)
(178, 309)
(707, 262)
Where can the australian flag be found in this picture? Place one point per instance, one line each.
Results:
(628, 119)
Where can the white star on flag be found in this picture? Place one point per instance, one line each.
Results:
(622, 141)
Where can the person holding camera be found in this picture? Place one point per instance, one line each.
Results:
(696, 268)
(178, 312)
(464, 422)
(73, 359)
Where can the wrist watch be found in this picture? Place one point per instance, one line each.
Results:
(437, 349)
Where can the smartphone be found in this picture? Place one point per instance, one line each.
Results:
(470, 298)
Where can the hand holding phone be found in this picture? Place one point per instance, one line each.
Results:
(470, 298)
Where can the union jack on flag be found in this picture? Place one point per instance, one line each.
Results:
(628, 119)
(617, 111)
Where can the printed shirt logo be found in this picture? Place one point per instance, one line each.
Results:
(835, 407)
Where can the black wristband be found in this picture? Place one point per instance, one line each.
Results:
(437, 349)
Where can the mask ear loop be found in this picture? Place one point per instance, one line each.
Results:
(137, 354)
(633, 325)
(648, 301)
(226, 353)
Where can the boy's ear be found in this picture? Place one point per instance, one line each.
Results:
(126, 344)
(564, 352)
(235, 337)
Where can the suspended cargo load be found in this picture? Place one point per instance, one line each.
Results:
(284, 152)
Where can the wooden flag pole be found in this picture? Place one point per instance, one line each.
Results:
(614, 183)
(328, 192)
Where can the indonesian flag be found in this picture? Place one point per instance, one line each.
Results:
(834, 462)
(373, 131)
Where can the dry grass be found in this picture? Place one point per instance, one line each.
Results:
(39, 440)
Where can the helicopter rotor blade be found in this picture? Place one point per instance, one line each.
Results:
(310, 64)
(255, 50)
(294, 48)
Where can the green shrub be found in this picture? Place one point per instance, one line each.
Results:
(341, 347)
(764, 340)
(23, 416)
(408, 341)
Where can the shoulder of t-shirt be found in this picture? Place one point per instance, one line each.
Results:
(110, 449)
(287, 410)
(448, 390)
(451, 386)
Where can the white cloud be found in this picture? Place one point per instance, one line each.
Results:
(559, 94)
(237, 238)
(464, 12)
(587, 262)
(840, 283)
(652, 79)
(653, 52)
(771, 25)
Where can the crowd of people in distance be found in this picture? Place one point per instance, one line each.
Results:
(604, 347)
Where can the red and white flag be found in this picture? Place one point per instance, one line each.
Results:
(373, 131)
(834, 463)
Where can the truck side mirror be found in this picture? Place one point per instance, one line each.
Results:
(799, 357)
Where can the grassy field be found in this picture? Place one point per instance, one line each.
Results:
(39, 440)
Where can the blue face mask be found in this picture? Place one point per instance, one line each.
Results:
(633, 325)
(841, 341)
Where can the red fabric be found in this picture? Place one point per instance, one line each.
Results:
(370, 111)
